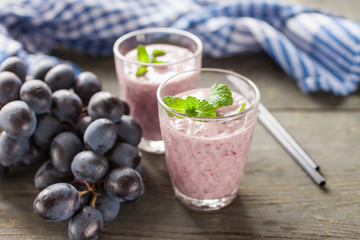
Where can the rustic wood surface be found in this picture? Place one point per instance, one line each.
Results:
(277, 200)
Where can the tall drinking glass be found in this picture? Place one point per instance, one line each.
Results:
(179, 51)
(206, 156)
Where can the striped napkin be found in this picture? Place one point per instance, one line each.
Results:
(319, 50)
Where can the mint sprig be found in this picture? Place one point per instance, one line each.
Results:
(219, 95)
(191, 106)
(143, 57)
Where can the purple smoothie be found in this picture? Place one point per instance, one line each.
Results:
(206, 160)
(140, 91)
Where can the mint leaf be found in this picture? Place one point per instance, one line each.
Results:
(175, 103)
(191, 103)
(157, 53)
(156, 61)
(142, 55)
(141, 71)
(220, 95)
(205, 110)
(242, 108)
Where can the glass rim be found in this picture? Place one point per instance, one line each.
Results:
(191, 36)
(217, 70)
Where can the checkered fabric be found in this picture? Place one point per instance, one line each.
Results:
(319, 50)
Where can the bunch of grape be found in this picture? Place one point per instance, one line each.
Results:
(82, 136)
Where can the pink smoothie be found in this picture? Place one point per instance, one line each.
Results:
(140, 92)
(206, 160)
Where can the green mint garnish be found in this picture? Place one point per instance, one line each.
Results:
(219, 95)
(242, 108)
(143, 56)
(191, 106)
(157, 53)
(156, 61)
(141, 71)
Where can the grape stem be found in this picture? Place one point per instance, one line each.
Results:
(92, 190)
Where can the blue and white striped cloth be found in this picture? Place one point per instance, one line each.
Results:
(319, 50)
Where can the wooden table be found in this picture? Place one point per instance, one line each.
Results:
(277, 200)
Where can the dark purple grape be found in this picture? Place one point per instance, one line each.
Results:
(47, 175)
(12, 150)
(34, 155)
(66, 105)
(126, 108)
(86, 85)
(15, 65)
(37, 94)
(108, 207)
(9, 87)
(105, 105)
(84, 198)
(123, 155)
(100, 135)
(63, 149)
(57, 202)
(47, 128)
(41, 69)
(3, 172)
(17, 119)
(123, 184)
(89, 166)
(128, 130)
(87, 224)
(82, 125)
(60, 76)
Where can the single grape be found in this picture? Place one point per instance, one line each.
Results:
(9, 87)
(89, 166)
(34, 155)
(57, 202)
(17, 119)
(60, 76)
(128, 130)
(86, 224)
(47, 175)
(47, 128)
(123, 184)
(108, 207)
(126, 108)
(123, 155)
(84, 198)
(41, 69)
(12, 150)
(37, 94)
(100, 135)
(86, 85)
(82, 125)
(3, 172)
(15, 65)
(66, 105)
(63, 149)
(105, 105)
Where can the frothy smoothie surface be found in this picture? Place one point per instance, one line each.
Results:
(206, 159)
(156, 75)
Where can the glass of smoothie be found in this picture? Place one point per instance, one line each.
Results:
(206, 156)
(169, 51)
